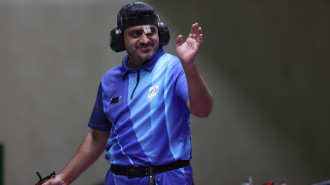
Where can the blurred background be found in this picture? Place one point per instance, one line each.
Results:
(266, 63)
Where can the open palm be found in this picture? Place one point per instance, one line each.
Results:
(188, 50)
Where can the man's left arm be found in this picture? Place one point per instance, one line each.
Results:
(200, 97)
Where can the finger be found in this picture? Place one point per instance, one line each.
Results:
(179, 40)
(199, 30)
(193, 32)
(200, 40)
(198, 35)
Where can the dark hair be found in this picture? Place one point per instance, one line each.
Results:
(134, 9)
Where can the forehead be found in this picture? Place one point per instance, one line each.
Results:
(139, 28)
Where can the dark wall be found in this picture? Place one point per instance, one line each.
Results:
(267, 65)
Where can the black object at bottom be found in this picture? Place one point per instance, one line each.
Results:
(42, 180)
(132, 171)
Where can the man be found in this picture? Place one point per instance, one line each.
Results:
(141, 114)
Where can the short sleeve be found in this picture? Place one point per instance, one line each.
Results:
(181, 84)
(98, 119)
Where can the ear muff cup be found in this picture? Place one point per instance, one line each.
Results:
(117, 43)
(163, 33)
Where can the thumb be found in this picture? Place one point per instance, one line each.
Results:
(179, 41)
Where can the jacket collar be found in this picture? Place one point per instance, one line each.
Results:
(147, 66)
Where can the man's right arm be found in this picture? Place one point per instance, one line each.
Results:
(89, 151)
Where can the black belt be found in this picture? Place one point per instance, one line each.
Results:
(132, 171)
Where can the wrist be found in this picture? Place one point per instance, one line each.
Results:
(63, 181)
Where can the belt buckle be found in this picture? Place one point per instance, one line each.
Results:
(151, 173)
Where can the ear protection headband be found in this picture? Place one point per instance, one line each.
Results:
(117, 43)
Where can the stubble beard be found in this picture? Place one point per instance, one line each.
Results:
(148, 57)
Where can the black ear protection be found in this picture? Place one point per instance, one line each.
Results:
(117, 43)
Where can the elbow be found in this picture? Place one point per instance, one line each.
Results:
(207, 114)
(204, 114)
(205, 111)
(202, 108)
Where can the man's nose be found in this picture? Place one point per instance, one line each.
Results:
(144, 38)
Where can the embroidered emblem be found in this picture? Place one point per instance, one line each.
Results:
(152, 92)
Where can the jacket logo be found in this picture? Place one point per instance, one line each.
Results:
(152, 92)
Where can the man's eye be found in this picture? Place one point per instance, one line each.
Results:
(152, 32)
(135, 34)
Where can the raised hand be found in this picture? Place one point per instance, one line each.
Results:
(188, 50)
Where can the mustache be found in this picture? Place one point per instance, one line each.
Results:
(145, 44)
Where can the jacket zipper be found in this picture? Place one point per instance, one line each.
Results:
(137, 82)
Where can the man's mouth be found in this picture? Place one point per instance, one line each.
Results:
(145, 46)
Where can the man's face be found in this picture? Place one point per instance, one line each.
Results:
(141, 43)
